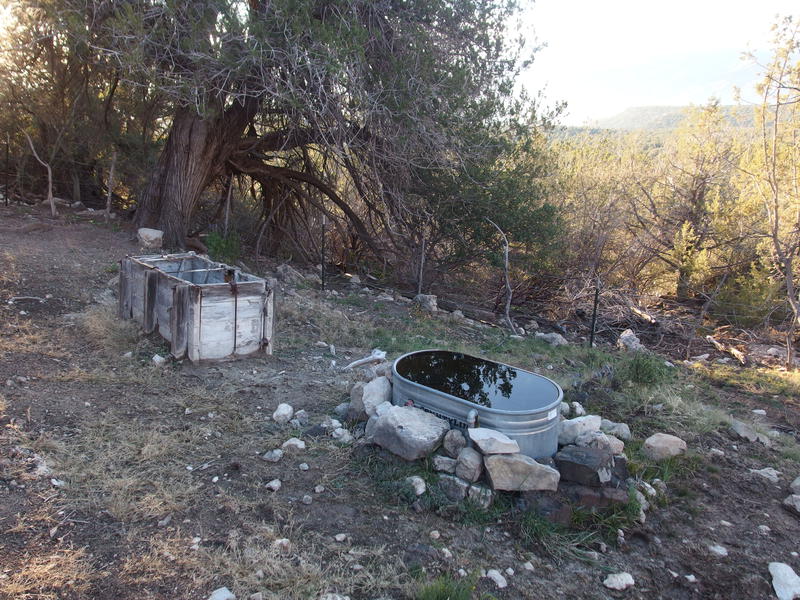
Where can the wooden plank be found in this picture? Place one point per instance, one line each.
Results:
(179, 320)
(267, 321)
(193, 323)
(150, 292)
(124, 293)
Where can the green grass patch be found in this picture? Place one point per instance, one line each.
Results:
(646, 369)
(680, 468)
(446, 588)
(540, 535)
(758, 381)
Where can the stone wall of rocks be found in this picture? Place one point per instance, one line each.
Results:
(590, 469)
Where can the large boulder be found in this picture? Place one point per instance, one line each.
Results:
(375, 393)
(409, 432)
(517, 472)
(570, 429)
(150, 238)
(587, 466)
(661, 446)
(744, 431)
(490, 441)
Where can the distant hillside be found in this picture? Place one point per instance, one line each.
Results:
(666, 117)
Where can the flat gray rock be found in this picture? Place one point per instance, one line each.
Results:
(490, 441)
(517, 472)
(785, 581)
(409, 432)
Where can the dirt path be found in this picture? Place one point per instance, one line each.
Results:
(122, 480)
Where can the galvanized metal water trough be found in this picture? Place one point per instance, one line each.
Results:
(469, 391)
(205, 309)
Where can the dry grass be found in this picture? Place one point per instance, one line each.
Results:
(107, 331)
(67, 573)
(3, 405)
(301, 316)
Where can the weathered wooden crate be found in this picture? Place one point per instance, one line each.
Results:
(206, 310)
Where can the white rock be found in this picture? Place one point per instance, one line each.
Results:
(303, 466)
(785, 581)
(382, 409)
(691, 578)
(274, 485)
(764, 529)
(307, 499)
(619, 581)
(517, 472)
(528, 566)
(446, 554)
(554, 339)
(620, 430)
(329, 424)
(570, 429)
(334, 597)
(718, 550)
(628, 341)
(598, 439)
(578, 409)
(158, 360)
(409, 432)
(759, 412)
(150, 238)
(795, 486)
(273, 455)
(256, 596)
(283, 414)
(340, 537)
(222, 593)
(490, 441)
(342, 435)
(767, 473)
(418, 483)
(341, 409)
(294, 444)
(497, 577)
(661, 446)
(716, 452)
(319, 489)
(564, 409)
(282, 544)
(509, 571)
(435, 535)
(376, 392)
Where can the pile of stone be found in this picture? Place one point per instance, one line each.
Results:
(590, 468)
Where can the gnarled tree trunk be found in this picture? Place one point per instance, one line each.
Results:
(195, 153)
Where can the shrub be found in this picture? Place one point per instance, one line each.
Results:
(225, 249)
(644, 369)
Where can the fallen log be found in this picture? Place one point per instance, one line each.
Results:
(735, 353)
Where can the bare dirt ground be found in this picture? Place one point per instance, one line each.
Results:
(123, 480)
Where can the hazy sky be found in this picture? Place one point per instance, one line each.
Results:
(603, 56)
